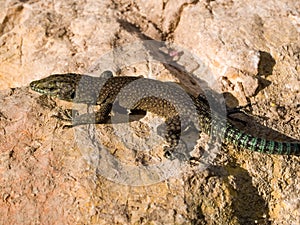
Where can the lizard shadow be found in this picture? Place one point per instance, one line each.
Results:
(250, 124)
(244, 204)
(248, 205)
(125, 118)
(265, 68)
(258, 130)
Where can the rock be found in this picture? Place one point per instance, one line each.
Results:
(48, 174)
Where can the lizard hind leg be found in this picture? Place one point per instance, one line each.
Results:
(172, 130)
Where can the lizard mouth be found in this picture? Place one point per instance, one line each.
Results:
(34, 86)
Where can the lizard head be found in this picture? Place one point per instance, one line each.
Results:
(57, 85)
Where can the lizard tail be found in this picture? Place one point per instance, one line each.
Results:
(244, 140)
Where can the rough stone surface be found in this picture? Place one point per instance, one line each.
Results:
(247, 49)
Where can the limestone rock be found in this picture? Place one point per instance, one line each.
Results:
(249, 49)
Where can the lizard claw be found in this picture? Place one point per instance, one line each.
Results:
(66, 115)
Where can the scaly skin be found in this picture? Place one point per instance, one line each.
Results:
(165, 99)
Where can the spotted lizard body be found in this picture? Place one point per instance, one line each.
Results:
(166, 99)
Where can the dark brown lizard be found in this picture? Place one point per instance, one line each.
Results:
(166, 99)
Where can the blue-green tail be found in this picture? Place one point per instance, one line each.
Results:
(234, 136)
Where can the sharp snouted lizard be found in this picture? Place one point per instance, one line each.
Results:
(165, 99)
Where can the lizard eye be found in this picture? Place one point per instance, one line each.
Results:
(73, 95)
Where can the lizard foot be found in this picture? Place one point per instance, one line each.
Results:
(66, 115)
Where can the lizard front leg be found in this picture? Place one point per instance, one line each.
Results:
(99, 117)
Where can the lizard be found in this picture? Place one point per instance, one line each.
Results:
(165, 99)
